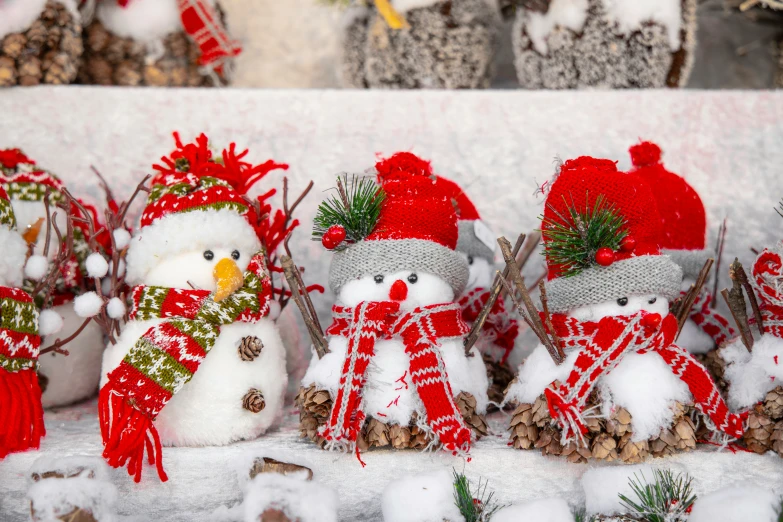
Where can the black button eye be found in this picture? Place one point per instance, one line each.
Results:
(622, 301)
(209, 255)
(470, 260)
(413, 278)
(379, 279)
(235, 254)
(651, 301)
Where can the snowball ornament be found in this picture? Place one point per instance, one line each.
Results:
(199, 306)
(614, 325)
(36, 267)
(96, 264)
(396, 372)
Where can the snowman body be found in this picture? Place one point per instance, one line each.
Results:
(692, 337)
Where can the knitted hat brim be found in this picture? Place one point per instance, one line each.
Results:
(642, 275)
(13, 259)
(395, 255)
(691, 261)
(470, 245)
(185, 232)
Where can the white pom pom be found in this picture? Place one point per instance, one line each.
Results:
(274, 310)
(36, 268)
(49, 322)
(96, 264)
(87, 304)
(115, 308)
(121, 238)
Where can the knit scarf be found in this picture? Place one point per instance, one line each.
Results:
(499, 329)
(21, 414)
(710, 321)
(602, 345)
(165, 358)
(419, 331)
(202, 22)
(767, 280)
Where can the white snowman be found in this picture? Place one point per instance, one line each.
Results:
(397, 331)
(608, 291)
(207, 357)
(75, 377)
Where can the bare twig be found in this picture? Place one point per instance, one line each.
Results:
(738, 272)
(719, 249)
(548, 321)
(737, 306)
(58, 344)
(313, 327)
(683, 310)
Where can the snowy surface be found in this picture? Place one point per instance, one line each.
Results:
(427, 497)
(602, 486)
(752, 375)
(295, 496)
(737, 504)
(545, 510)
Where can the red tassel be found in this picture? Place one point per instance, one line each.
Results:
(21, 413)
(126, 433)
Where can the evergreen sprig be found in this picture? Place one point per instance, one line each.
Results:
(573, 240)
(475, 506)
(356, 208)
(667, 498)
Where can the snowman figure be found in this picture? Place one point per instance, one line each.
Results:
(200, 362)
(608, 292)
(684, 240)
(396, 363)
(65, 379)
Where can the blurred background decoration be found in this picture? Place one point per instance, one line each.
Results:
(410, 44)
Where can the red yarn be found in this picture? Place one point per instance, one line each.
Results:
(645, 154)
(402, 163)
(10, 158)
(21, 413)
(466, 210)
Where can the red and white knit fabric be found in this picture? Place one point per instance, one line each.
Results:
(499, 329)
(603, 345)
(203, 24)
(710, 321)
(768, 282)
(419, 331)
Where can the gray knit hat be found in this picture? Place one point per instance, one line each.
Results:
(690, 261)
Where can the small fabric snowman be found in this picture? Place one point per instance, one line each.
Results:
(396, 351)
(200, 362)
(75, 377)
(21, 413)
(608, 290)
(683, 239)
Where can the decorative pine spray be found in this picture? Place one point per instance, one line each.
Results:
(476, 505)
(349, 216)
(668, 497)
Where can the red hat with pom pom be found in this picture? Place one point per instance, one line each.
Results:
(601, 229)
(475, 237)
(196, 201)
(414, 227)
(683, 218)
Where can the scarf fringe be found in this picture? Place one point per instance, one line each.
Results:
(21, 414)
(126, 433)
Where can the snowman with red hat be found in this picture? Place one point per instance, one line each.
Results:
(200, 361)
(396, 372)
(684, 240)
(624, 388)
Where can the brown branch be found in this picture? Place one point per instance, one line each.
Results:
(311, 322)
(683, 310)
(48, 211)
(735, 299)
(104, 185)
(720, 246)
(343, 195)
(124, 207)
(58, 344)
(739, 272)
(548, 321)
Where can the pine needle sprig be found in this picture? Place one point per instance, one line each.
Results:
(668, 498)
(573, 240)
(581, 515)
(356, 207)
(475, 506)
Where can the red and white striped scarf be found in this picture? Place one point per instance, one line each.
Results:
(710, 321)
(499, 329)
(203, 24)
(419, 331)
(768, 282)
(603, 345)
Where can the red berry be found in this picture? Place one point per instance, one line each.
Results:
(336, 233)
(628, 244)
(328, 242)
(604, 256)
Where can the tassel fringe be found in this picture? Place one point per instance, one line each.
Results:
(21, 413)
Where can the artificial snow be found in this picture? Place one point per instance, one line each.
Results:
(737, 503)
(425, 497)
(694, 339)
(49, 322)
(630, 15)
(96, 265)
(92, 467)
(569, 14)
(143, 20)
(545, 510)
(298, 499)
(244, 462)
(536, 373)
(36, 268)
(18, 15)
(121, 238)
(752, 374)
(603, 485)
(115, 308)
(88, 304)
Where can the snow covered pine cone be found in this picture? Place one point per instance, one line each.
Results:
(442, 45)
(624, 390)
(569, 44)
(397, 331)
(41, 42)
(143, 42)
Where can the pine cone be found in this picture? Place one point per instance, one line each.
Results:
(715, 364)
(400, 436)
(13, 45)
(77, 515)
(758, 436)
(681, 435)
(605, 448)
(777, 438)
(253, 401)
(270, 465)
(466, 403)
(500, 376)
(376, 433)
(549, 441)
(250, 347)
(314, 408)
(773, 403)
(619, 422)
(576, 453)
(633, 452)
(541, 416)
(524, 432)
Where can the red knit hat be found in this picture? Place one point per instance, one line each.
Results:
(24, 180)
(620, 257)
(416, 229)
(475, 237)
(683, 218)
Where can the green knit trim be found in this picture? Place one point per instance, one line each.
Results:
(18, 317)
(204, 334)
(151, 301)
(15, 364)
(184, 189)
(29, 191)
(7, 216)
(158, 366)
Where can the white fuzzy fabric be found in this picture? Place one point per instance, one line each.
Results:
(604, 485)
(73, 377)
(426, 497)
(752, 375)
(143, 20)
(544, 510)
(636, 303)
(737, 503)
(297, 347)
(18, 15)
(428, 289)
(96, 265)
(299, 499)
(481, 274)
(88, 304)
(161, 245)
(49, 322)
(115, 308)
(568, 14)
(36, 267)
(121, 238)
(630, 15)
(13, 259)
(208, 409)
(536, 373)
(694, 339)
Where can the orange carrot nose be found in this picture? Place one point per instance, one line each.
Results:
(651, 321)
(398, 291)
(31, 234)
(228, 278)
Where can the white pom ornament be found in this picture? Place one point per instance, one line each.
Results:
(97, 266)
(121, 238)
(36, 268)
(49, 322)
(115, 308)
(88, 304)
